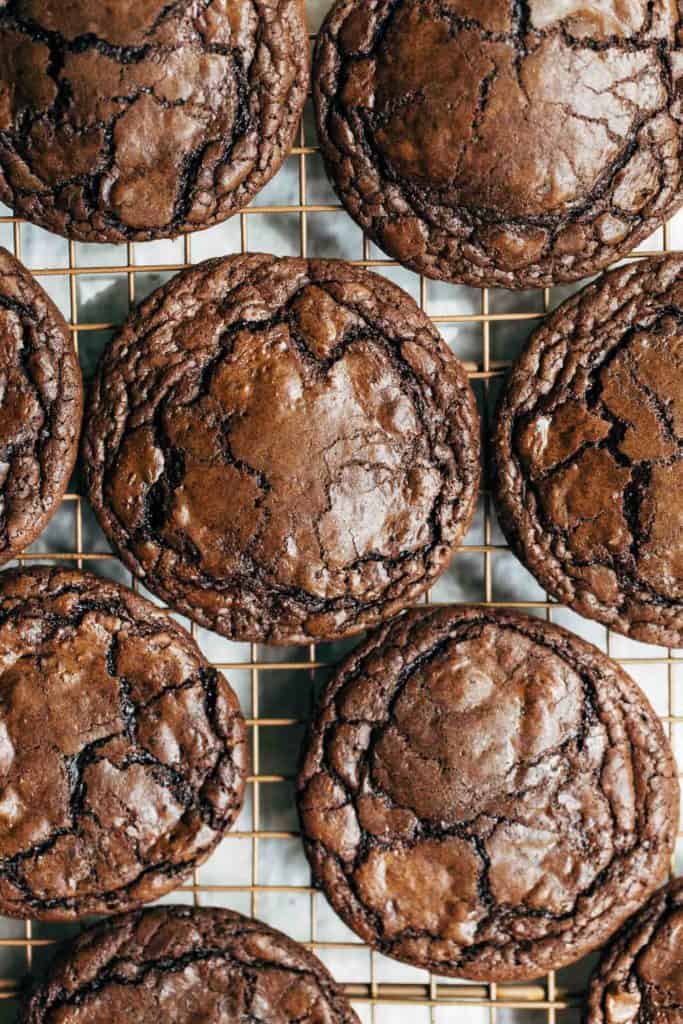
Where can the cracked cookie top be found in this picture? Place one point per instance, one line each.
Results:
(143, 119)
(122, 752)
(285, 450)
(41, 405)
(183, 965)
(640, 979)
(589, 452)
(513, 143)
(485, 795)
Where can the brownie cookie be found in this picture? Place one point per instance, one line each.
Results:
(143, 119)
(41, 406)
(485, 795)
(589, 452)
(182, 965)
(122, 753)
(501, 142)
(640, 979)
(284, 450)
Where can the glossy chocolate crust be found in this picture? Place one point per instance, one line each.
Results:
(485, 795)
(589, 452)
(181, 965)
(128, 120)
(41, 406)
(285, 450)
(122, 752)
(512, 143)
(640, 979)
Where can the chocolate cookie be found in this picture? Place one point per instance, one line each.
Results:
(589, 452)
(41, 405)
(640, 979)
(142, 119)
(500, 142)
(485, 795)
(284, 450)
(122, 752)
(182, 965)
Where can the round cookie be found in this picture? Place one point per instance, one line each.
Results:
(143, 119)
(181, 965)
(502, 143)
(284, 450)
(485, 795)
(123, 752)
(589, 452)
(640, 978)
(41, 406)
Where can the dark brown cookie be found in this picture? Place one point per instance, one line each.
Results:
(141, 119)
(41, 406)
(180, 966)
(589, 452)
(501, 142)
(485, 795)
(285, 450)
(123, 754)
(640, 979)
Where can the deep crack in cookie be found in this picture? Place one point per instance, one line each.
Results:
(511, 143)
(285, 450)
(123, 753)
(589, 452)
(484, 795)
(640, 977)
(143, 119)
(41, 406)
(182, 965)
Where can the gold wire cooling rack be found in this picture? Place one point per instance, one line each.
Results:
(259, 868)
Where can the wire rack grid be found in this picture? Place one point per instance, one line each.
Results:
(259, 868)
